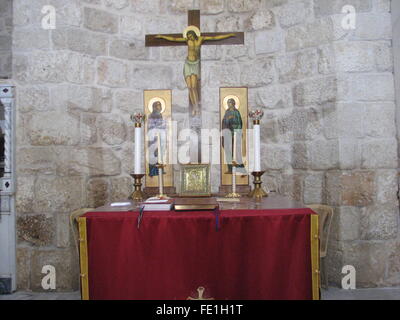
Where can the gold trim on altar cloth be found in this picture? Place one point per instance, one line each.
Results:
(315, 257)
(83, 255)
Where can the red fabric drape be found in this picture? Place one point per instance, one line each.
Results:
(256, 254)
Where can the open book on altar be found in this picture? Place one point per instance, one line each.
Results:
(186, 204)
(157, 204)
(179, 204)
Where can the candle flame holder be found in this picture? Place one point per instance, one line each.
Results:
(233, 194)
(160, 168)
(138, 195)
(138, 118)
(256, 115)
(258, 192)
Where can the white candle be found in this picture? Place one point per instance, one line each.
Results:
(138, 150)
(233, 179)
(233, 165)
(257, 148)
(159, 158)
(160, 170)
(234, 147)
(160, 181)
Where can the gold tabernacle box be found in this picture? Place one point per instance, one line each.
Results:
(195, 180)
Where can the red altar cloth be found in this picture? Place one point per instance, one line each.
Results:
(256, 254)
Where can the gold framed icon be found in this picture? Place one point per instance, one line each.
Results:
(195, 180)
(234, 121)
(157, 109)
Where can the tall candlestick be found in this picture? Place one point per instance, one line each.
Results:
(138, 148)
(234, 147)
(138, 118)
(257, 115)
(258, 192)
(159, 157)
(257, 147)
(233, 194)
(234, 179)
(161, 194)
(234, 164)
(160, 181)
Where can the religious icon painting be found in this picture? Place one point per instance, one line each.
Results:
(195, 179)
(158, 137)
(234, 124)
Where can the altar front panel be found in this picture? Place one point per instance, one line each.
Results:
(257, 254)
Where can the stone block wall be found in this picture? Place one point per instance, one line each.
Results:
(6, 23)
(329, 132)
(364, 188)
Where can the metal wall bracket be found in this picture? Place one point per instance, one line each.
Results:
(7, 100)
(7, 189)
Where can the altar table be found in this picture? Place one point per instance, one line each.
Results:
(245, 251)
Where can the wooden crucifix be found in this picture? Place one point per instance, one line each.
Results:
(194, 39)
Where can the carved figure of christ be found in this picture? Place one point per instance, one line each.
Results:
(194, 39)
(191, 70)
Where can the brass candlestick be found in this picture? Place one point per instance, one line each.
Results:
(160, 168)
(138, 194)
(233, 194)
(258, 192)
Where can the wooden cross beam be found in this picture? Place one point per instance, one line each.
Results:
(223, 38)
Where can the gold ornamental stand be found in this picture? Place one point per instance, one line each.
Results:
(258, 191)
(138, 194)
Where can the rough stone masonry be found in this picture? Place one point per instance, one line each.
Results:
(329, 134)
